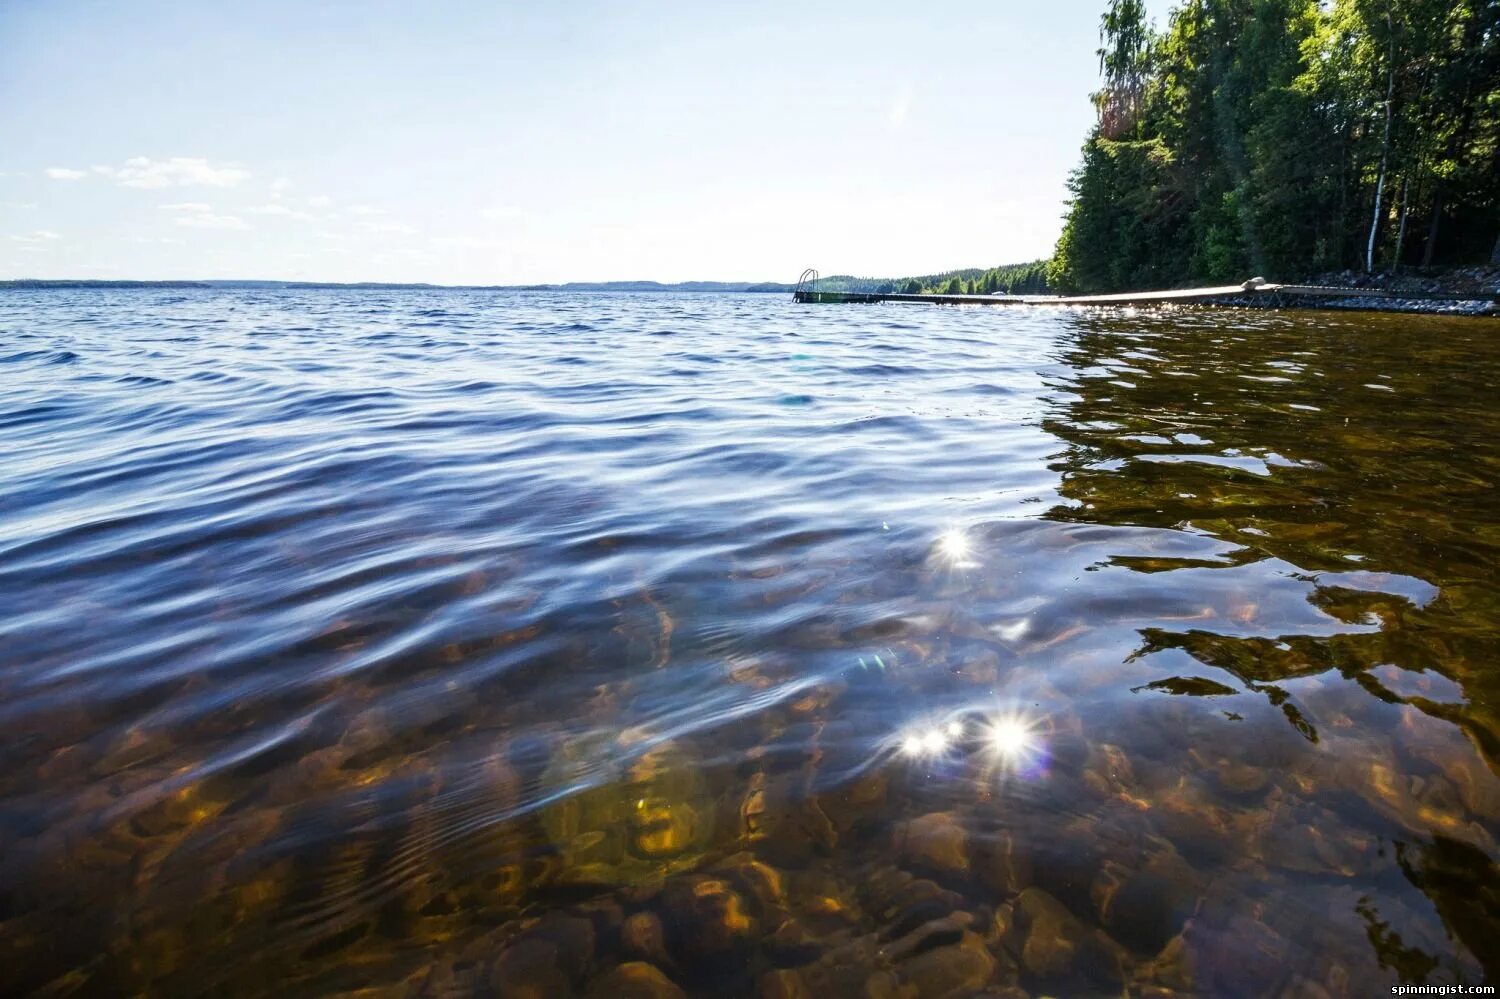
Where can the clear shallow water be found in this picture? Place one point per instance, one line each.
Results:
(452, 642)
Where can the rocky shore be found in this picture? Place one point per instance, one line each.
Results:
(1467, 291)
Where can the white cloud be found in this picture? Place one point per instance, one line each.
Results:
(176, 171)
(466, 243)
(276, 209)
(208, 220)
(65, 173)
(39, 236)
(365, 210)
(279, 186)
(186, 206)
(320, 201)
(398, 228)
(502, 213)
(900, 109)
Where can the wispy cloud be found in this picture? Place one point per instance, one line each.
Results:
(279, 210)
(38, 236)
(397, 228)
(175, 171)
(466, 242)
(502, 213)
(66, 173)
(186, 206)
(320, 201)
(364, 210)
(208, 220)
(900, 109)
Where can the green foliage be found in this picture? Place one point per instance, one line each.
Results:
(1011, 279)
(1271, 136)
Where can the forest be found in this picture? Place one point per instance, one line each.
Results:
(1286, 138)
(1009, 279)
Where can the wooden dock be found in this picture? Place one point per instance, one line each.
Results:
(1181, 296)
(1271, 294)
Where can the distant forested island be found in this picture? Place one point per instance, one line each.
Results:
(1287, 138)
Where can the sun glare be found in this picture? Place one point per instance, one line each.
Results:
(928, 742)
(953, 545)
(1010, 737)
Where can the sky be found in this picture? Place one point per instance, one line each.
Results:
(467, 142)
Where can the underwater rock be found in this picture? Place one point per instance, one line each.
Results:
(672, 811)
(708, 920)
(642, 937)
(622, 829)
(1059, 946)
(793, 943)
(178, 810)
(901, 903)
(1240, 779)
(1478, 787)
(757, 881)
(530, 969)
(1068, 753)
(933, 933)
(1171, 972)
(1389, 791)
(607, 918)
(785, 829)
(1201, 830)
(1065, 860)
(858, 804)
(1003, 932)
(551, 957)
(854, 968)
(1145, 909)
(935, 843)
(1110, 773)
(950, 971)
(663, 829)
(635, 980)
(783, 983)
(1004, 863)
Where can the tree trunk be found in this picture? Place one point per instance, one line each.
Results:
(1401, 232)
(1385, 145)
(1432, 227)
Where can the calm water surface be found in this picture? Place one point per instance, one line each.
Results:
(447, 643)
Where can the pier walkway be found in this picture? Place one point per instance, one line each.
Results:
(1274, 294)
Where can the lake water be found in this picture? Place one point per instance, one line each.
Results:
(442, 643)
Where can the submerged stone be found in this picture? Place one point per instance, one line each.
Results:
(1059, 946)
(708, 920)
(957, 969)
(530, 969)
(936, 843)
(635, 980)
(642, 937)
